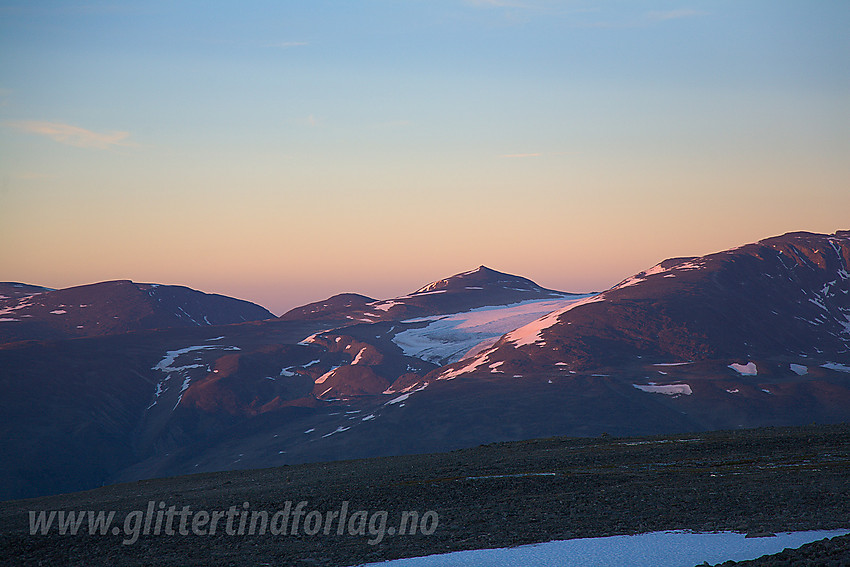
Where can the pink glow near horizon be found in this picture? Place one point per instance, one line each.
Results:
(280, 290)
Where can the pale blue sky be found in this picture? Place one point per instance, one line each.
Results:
(283, 151)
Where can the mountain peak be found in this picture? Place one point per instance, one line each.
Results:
(481, 277)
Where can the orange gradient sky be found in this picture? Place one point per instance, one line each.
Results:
(283, 154)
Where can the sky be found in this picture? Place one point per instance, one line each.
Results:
(285, 151)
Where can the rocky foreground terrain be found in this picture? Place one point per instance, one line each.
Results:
(496, 495)
(833, 552)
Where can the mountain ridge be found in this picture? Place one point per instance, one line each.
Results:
(689, 344)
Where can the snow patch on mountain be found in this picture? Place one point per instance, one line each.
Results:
(171, 357)
(159, 391)
(22, 304)
(412, 389)
(359, 356)
(339, 429)
(655, 270)
(312, 338)
(434, 285)
(426, 292)
(799, 369)
(533, 332)
(415, 387)
(399, 399)
(471, 366)
(666, 389)
(321, 379)
(748, 369)
(384, 305)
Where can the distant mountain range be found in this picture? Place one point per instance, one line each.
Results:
(119, 381)
(107, 308)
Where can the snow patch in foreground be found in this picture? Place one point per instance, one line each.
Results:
(657, 549)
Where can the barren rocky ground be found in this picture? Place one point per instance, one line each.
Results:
(774, 479)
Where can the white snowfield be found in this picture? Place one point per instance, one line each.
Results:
(447, 338)
(657, 549)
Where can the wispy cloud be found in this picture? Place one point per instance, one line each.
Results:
(73, 135)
